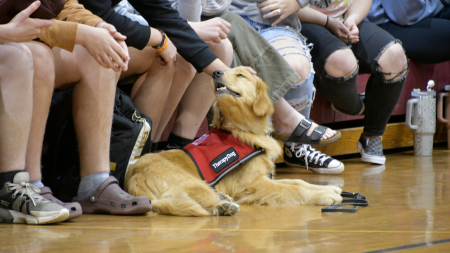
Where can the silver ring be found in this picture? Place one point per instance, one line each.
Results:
(279, 12)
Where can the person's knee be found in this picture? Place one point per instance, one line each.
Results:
(223, 50)
(142, 61)
(16, 54)
(185, 69)
(16, 62)
(301, 66)
(393, 63)
(44, 65)
(341, 63)
(92, 72)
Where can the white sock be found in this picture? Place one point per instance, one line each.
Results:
(38, 184)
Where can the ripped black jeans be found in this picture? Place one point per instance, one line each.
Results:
(381, 94)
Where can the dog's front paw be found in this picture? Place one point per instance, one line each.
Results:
(223, 196)
(335, 189)
(325, 198)
(227, 208)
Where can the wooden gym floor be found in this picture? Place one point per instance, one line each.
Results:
(409, 211)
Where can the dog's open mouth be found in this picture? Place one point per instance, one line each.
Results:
(222, 89)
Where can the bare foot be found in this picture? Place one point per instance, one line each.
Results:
(328, 133)
(286, 124)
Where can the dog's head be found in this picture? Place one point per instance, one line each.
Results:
(242, 101)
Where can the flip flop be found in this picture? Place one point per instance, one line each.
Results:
(299, 135)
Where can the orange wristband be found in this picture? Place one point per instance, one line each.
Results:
(166, 42)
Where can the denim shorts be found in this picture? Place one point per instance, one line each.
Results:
(301, 95)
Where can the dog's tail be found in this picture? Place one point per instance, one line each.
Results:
(179, 204)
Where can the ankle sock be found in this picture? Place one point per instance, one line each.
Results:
(90, 183)
(38, 184)
(8, 176)
(178, 140)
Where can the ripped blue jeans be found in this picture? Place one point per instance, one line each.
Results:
(301, 95)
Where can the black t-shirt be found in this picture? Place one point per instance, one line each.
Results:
(159, 14)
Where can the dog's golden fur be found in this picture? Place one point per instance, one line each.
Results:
(170, 179)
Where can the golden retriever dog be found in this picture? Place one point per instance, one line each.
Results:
(243, 108)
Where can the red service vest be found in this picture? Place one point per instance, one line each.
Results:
(217, 153)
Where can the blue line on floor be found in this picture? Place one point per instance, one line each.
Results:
(410, 246)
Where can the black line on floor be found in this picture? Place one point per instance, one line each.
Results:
(410, 246)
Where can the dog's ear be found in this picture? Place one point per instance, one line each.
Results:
(263, 105)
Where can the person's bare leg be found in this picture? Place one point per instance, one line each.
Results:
(93, 100)
(183, 77)
(151, 89)
(43, 85)
(286, 118)
(16, 112)
(16, 101)
(193, 110)
(93, 103)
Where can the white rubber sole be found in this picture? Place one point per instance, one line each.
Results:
(11, 216)
(370, 158)
(333, 171)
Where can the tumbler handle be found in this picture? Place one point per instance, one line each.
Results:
(440, 106)
(409, 107)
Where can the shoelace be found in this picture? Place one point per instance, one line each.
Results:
(309, 154)
(26, 189)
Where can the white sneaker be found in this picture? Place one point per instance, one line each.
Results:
(20, 202)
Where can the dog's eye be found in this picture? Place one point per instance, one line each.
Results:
(240, 75)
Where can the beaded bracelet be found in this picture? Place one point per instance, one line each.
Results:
(166, 42)
(163, 41)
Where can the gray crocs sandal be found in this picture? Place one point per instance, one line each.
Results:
(299, 135)
(109, 198)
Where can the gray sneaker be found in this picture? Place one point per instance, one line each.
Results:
(20, 202)
(371, 150)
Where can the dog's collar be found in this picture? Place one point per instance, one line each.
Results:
(223, 130)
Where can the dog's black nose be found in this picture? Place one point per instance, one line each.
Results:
(216, 74)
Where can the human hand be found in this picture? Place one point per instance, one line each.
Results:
(103, 47)
(249, 69)
(281, 8)
(215, 29)
(22, 28)
(338, 29)
(116, 35)
(167, 56)
(353, 30)
(112, 30)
